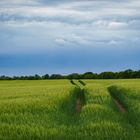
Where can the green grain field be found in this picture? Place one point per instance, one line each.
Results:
(47, 110)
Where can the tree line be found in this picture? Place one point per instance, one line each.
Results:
(127, 74)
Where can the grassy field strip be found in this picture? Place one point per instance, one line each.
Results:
(37, 112)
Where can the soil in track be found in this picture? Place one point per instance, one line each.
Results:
(116, 99)
(78, 105)
(80, 97)
(80, 100)
(119, 105)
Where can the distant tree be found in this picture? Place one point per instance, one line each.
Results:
(46, 76)
(3, 77)
(138, 74)
(56, 76)
(16, 78)
(89, 75)
(37, 77)
(74, 76)
(31, 78)
(107, 75)
(127, 73)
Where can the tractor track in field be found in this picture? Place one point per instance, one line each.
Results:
(116, 97)
(80, 97)
(119, 105)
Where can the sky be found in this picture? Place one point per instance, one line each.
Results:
(68, 36)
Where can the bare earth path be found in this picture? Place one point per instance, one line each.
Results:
(78, 105)
(119, 105)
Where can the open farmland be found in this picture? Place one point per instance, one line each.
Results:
(70, 110)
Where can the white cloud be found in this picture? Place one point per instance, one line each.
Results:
(112, 42)
(72, 12)
(115, 24)
(60, 41)
(17, 2)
